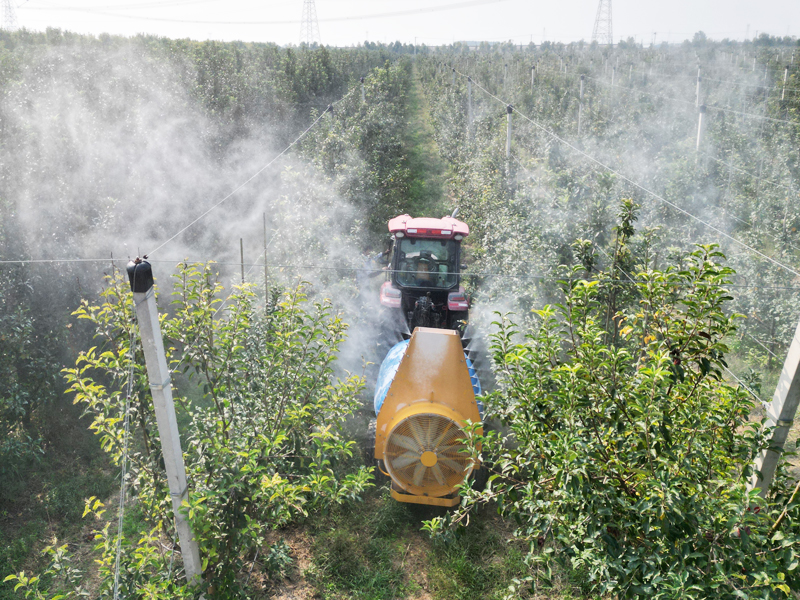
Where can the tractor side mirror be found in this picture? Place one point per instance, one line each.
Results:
(463, 266)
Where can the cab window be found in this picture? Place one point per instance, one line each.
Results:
(426, 263)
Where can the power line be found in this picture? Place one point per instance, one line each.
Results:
(743, 384)
(760, 344)
(753, 175)
(708, 106)
(312, 267)
(638, 185)
(142, 5)
(397, 13)
(751, 85)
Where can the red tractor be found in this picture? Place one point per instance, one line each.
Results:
(423, 284)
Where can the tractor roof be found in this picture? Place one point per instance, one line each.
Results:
(426, 227)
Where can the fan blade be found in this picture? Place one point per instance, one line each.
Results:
(444, 433)
(404, 460)
(429, 433)
(455, 466)
(405, 442)
(437, 472)
(454, 450)
(416, 430)
(419, 472)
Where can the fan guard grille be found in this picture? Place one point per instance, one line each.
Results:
(435, 436)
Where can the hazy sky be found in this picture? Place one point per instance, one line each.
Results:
(347, 22)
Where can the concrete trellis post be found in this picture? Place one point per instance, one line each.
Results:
(580, 106)
(509, 110)
(505, 76)
(780, 415)
(140, 275)
(241, 256)
(700, 125)
(454, 75)
(363, 92)
(533, 78)
(266, 269)
(697, 91)
(469, 106)
(785, 78)
(613, 75)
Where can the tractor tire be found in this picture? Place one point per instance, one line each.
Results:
(480, 478)
(369, 454)
(368, 444)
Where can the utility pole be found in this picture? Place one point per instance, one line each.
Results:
(9, 22)
(780, 416)
(140, 275)
(309, 26)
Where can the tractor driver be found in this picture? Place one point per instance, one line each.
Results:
(424, 273)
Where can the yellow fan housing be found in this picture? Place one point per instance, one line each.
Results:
(424, 455)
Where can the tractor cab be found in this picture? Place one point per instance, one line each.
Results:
(423, 280)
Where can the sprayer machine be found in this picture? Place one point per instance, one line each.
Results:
(427, 389)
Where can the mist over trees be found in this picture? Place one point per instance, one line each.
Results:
(616, 336)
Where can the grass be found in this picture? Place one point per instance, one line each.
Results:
(427, 190)
(378, 551)
(360, 553)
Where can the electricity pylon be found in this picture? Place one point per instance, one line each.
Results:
(309, 27)
(9, 16)
(602, 33)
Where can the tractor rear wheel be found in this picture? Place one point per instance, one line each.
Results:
(369, 453)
